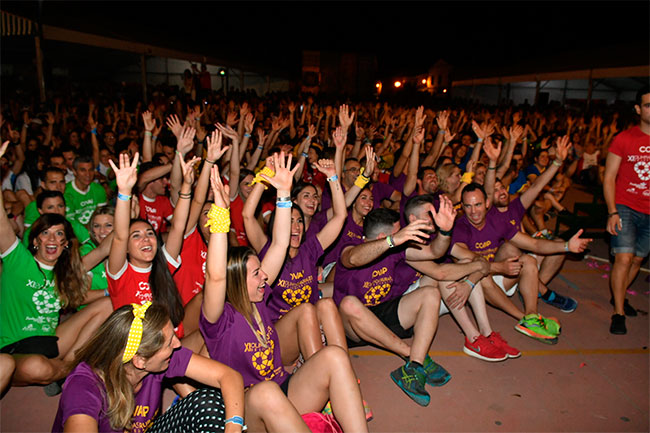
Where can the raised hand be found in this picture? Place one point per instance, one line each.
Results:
(149, 122)
(249, 122)
(50, 119)
(188, 168)
(186, 141)
(325, 166)
(175, 125)
(443, 120)
(345, 117)
(220, 191)
(420, 116)
(577, 244)
(415, 231)
(418, 137)
(214, 142)
(231, 118)
(446, 214)
(283, 178)
(127, 174)
(371, 163)
(491, 150)
(562, 147)
(3, 148)
(228, 131)
(516, 132)
(340, 136)
(311, 131)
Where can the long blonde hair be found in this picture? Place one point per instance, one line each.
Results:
(103, 353)
(236, 286)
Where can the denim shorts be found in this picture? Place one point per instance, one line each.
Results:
(634, 237)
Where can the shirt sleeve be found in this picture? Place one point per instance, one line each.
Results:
(81, 396)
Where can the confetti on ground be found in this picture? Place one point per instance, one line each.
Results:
(604, 276)
(592, 264)
(631, 292)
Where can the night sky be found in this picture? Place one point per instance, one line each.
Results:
(407, 37)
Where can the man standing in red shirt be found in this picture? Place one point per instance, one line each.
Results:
(627, 193)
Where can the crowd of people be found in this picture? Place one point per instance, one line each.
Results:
(241, 244)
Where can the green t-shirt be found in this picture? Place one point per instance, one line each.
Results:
(98, 273)
(29, 301)
(79, 206)
(80, 231)
(31, 214)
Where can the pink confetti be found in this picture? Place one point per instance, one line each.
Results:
(647, 292)
(631, 292)
(605, 267)
(592, 265)
(604, 276)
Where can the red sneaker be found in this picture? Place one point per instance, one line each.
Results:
(482, 348)
(502, 344)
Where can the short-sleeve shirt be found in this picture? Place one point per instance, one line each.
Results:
(298, 279)
(351, 230)
(131, 284)
(29, 301)
(373, 283)
(98, 273)
(231, 341)
(381, 192)
(80, 205)
(514, 215)
(84, 393)
(31, 213)
(190, 277)
(158, 211)
(633, 177)
(486, 241)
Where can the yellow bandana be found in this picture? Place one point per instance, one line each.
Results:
(218, 219)
(135, 333)
(259, 179)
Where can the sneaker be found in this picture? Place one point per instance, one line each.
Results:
(54, 388)
(552, 324)
(436, 374)
(496, 339)
(411, 380)
(629, 310)
(533, 326)
(618, 325)
(482, 348)
(564, 303)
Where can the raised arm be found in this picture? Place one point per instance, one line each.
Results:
(125, 176)
(184, 145)
(331, 230)
(412, 176)
(214, 292)
(530, 195)
(147, 144)
(179, 221)
(362, 180)
(492, 153)
(444, 219)
(282, 180)
(7, 234)
(254, 231)
(93, 139)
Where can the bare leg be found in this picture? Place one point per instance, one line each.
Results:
(78, 328)
(498, 299)
(529, 283)
(477, 301)
(327, 289)
(329, 375)
(38, 370)
(361, 324)
(461, 314)
(269, 410)
(621, 277)
(330, 320)
(419, 309)
(299, 332)
(7, 367)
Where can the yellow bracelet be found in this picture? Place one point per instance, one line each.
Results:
(362, 180)
(467, 177)
(218, 219)
(259, 179)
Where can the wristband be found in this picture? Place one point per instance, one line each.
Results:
(441, 131)
(480, 140)
(556, 163)
(148, 133)
(612, 214)
(444, 232)
(154, 137)
(93, 131)
(236, 420)
(211, 162)
(283, 204)
(260, 147)
(123, 197)
(566, 246)
(469, 282)
(218, 219)
(467, 177)
(361, 180)
(492, 168)
(283, 199)
(304, 154)
(246, 134)
(389, 241)
(184, 195)
(333, 178)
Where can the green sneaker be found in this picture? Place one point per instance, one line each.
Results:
(436, 374)
(533, 326)
(411, 380)
(553, 325)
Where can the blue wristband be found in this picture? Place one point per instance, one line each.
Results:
(304, 154)
(94, 131)
(283, 204)
(333, 178)
(236, 420)
(124, 197)
(246, 134)
(470, 283)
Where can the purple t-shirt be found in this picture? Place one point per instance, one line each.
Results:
(85, 393)
(397, 182)
(326, 199)
(515, 213)
(373, 283)
(381, 192)
(486, 241)
(405, 275)
(318, 221)
(350, 230)
(231, 341)
(298, 279)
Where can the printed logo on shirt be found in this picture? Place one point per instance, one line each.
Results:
(513, 222)
(297, 296)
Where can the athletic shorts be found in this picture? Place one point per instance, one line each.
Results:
(386, 312)
(45, 345)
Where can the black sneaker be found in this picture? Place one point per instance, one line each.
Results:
(618, 325)
(54, 388)
(629, 310)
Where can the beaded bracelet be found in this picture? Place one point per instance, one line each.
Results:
(218, 219)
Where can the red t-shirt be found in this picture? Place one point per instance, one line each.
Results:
(131, 284)
(633, 178)
(157, 211)
(237, 221)
(190, 277)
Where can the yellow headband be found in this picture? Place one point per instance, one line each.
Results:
(135, 333)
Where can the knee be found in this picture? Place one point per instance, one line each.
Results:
(528, 262)
(430, 296)
(624, 259)
(637, 261)
(326, 306)
(351, 306)
(335, 356)
(35, 369)
(7, 365)
(101, 307)
(307, 313)
(261, 396)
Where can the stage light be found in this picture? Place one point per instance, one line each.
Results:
(398, 83)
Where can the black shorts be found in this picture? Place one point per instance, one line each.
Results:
(285, 385)
(45, 345)
(387, 313)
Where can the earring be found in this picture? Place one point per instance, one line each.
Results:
(35, 247)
